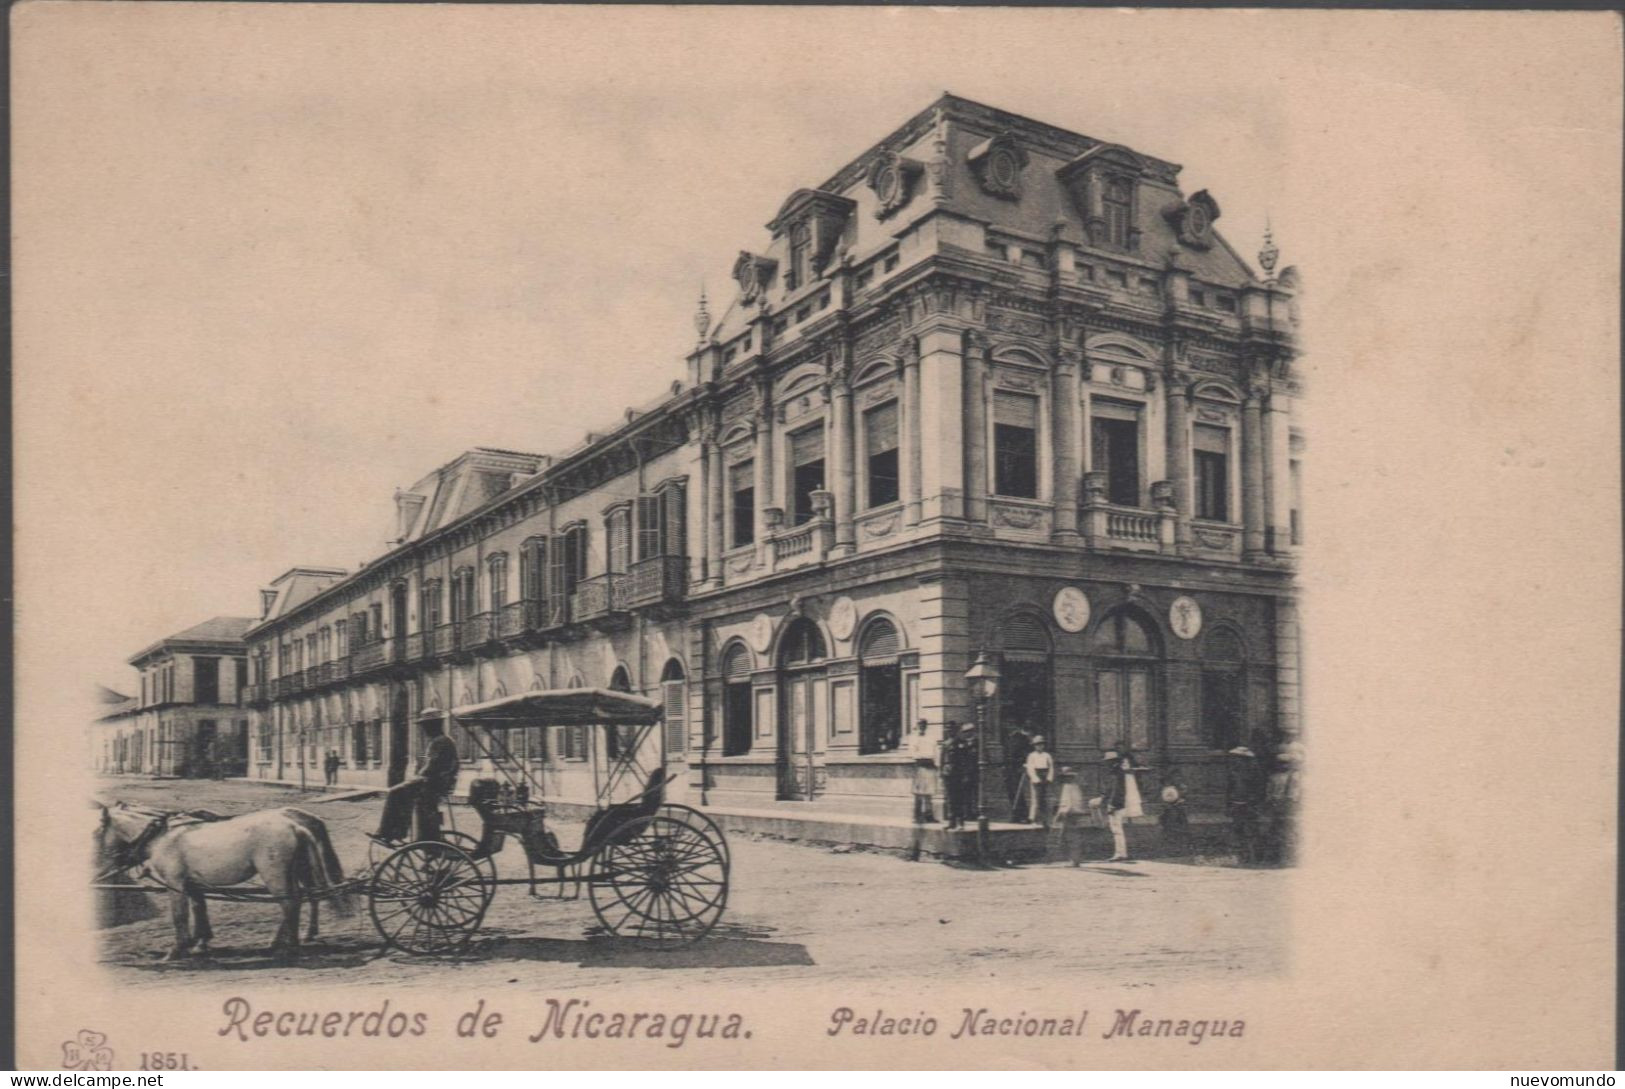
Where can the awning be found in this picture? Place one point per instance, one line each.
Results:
(561, 707)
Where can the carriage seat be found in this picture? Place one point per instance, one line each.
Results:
(602, 825)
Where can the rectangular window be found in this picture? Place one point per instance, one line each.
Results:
(673, 531)
(1211, 447)
(241, 667)
(429, 607)
(672, 695)
(742, 506)
(1114, 431)
(499, 583)
(1015, 445)
(205, 680)
(649, 527)
(807, 471)
(533, 570)
(376, 621)
(619, 535)
(1198, 298)
(880, 447)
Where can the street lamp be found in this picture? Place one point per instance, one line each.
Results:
(984, 685)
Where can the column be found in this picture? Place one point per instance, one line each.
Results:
(841, 457)
(975, 432)
(1068, 479)
(1177, 399)
(1252, 475)
(764, 478)
(713, 500)
(1278, 472)
(942, 401)
(1288, 666)
(911, 433)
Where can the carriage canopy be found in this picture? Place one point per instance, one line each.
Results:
(561, 707)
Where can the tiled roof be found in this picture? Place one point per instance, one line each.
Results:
(220, 629)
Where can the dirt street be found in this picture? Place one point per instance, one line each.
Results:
(791, 916)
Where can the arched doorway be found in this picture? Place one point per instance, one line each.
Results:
(803, 695)
(617, 739)
(1224, 688)
(880, 686)
(1125, 651)
(737, 728)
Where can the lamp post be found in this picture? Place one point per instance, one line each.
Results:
(983, 676)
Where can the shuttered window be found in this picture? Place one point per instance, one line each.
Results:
(1211, 455)
(650, 544)
(673, 695)
(736, 702)
(674, 528)
(742, 503)
(619, 535)
(880, 642)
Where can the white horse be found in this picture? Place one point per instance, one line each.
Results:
(288, 849)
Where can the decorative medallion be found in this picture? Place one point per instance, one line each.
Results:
(761, 633)
(843, 618)
(880, 527)
(1185, 617)
(1016, 517)
(1071, 609)
(752, 272)
(892, 177)
(998, 163)
(1193, 219)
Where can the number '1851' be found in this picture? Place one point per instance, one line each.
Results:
(166, 1060)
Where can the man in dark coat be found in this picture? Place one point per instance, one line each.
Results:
(959, 772)
(1245, 787)
(436, 777)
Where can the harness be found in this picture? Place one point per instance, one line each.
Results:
(128, 855)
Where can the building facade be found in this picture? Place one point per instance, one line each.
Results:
(189, 719)
(993, 388)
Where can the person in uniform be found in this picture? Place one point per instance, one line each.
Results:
(422, 794)
(961, 769)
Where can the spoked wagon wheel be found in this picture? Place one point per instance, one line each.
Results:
(468, 845)
(662, 878)
(711, 829)
(428, 897)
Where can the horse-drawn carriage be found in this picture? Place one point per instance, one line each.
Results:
(651, 869)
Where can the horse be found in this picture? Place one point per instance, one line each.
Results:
(190, 856)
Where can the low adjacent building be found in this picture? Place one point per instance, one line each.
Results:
(189, 719)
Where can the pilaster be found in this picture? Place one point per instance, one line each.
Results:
(1252, 480)
(942, 396)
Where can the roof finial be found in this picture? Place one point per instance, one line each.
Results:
(702, 316)
(1269, 254)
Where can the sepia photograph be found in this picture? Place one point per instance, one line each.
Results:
(892, 538)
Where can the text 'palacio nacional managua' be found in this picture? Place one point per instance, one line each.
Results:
(994, 386)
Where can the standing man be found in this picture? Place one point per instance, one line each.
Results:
(923, 748)
(1016, 747)
(1245, 788)
(422, 794)
(1115, 801)
(961, 771)
(1040, 771)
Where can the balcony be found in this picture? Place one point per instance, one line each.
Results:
(372, 655)
(658, 581)
(519, 617)
(444, 640)
(600, 596)
(257, 694)
(476, 631)
(325, 674)
(341, 669)
(1133, 529)
(415, 646)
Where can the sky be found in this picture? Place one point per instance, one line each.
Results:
(276, 261)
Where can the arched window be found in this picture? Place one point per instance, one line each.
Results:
(736, 716)
(1126, 650)
(674, 697)
(1224, 689)
(1027, 680)
(880, 686)
(803, 644)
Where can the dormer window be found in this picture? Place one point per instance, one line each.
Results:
(1119, 205)
(800, 257)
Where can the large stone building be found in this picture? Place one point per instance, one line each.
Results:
(190, 719)
(992, 387)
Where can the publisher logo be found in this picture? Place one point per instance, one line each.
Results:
(88, 1052)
